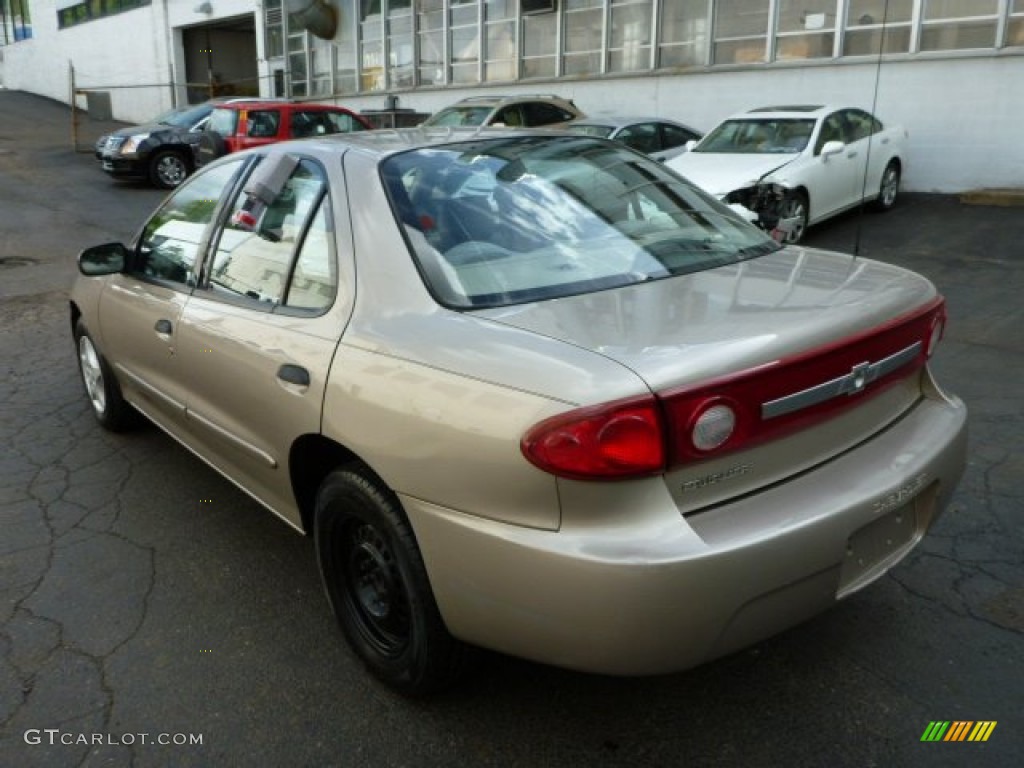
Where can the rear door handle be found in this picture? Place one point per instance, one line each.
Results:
(163, 327)
(293, 374)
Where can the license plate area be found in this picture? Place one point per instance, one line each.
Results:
(107, 165)
(879, 545)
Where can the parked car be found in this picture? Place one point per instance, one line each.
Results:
(799, 164)
(529, 391)
(655, 136)
(511, 111)
(161, 150)
(233, 127)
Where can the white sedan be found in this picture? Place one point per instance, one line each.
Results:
(794, 166)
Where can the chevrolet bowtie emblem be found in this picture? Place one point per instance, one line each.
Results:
(852, 383)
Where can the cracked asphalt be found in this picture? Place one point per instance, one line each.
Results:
(143, 598)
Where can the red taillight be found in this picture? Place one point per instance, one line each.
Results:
(614, 441)
(648, 435)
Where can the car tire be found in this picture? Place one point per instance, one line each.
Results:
(167, 169)
(211, 146)
(377, 584)
(109, 407)
(795, 205)
(888, 188)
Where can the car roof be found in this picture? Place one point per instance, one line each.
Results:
(805, 111)
(270, 103)
(621, 120)
(504, 99)
(384, 142)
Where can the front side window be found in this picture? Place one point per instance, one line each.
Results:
(255, 260)
(170, 245)
(512, 220)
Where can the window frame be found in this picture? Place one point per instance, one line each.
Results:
(323, 198)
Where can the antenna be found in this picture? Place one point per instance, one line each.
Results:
(871, 139)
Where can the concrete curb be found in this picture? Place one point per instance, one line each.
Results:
(1000, 197)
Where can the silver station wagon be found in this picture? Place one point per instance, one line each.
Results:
(529, 392)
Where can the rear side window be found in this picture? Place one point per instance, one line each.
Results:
(262, 124)
(344, 122)
(256, 261)
(673, 136)
(541, 113)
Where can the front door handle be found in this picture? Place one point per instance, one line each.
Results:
(293, 374)
(163, 327)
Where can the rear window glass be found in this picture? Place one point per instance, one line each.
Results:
(511, 220)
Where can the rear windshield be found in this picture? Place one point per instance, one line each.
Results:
(460, 116)
(510, 220)
(589, 129)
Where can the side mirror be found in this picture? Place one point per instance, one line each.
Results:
(832, 148)
(106, 259)
(691, 144)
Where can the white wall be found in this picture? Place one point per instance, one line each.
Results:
(962, 113)
(126, 49)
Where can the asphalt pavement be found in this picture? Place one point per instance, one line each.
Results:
(153, 615)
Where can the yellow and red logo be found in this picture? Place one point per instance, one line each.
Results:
(958, 730)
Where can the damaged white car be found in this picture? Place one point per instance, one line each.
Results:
(788, 167)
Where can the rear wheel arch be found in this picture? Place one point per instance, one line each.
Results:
(311, 459)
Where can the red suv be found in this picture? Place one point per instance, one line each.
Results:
(240, 126)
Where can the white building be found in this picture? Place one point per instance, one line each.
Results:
(950, 71)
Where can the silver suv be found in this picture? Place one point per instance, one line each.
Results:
(512, 111)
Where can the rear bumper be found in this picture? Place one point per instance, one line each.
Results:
(629, 586)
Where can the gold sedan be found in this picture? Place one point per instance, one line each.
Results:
(530, 392)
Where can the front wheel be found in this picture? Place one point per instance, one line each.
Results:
(111, 410)
(888, 188)
(378, 587)
(167, 169)
(794, 206)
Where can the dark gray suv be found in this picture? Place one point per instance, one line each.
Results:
(160, 150)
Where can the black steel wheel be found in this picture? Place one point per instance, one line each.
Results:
(167, 169)
(111, 410)
(378, 587)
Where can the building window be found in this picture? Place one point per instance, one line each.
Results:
(806, 29)
(540, 45)
(71, 13)
(948, 25)
(500, 21)
(1015, 25)
(371, 42)
(874, 27)
(273, 35)
(584, 36)
(741, 32)
(15, 21)
(401, 69)
(629, 44)
(430, 18)
(685, 29)
(464, 36)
